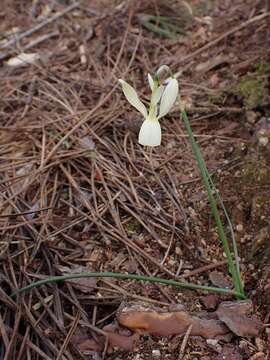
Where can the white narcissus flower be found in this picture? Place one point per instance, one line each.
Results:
(162, 100)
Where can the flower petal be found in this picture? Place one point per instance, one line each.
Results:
(150, 133)
(168, 98)
(151, 81)
(132, 97)
(157, 94)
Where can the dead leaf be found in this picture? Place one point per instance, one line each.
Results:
(220, 280)
(85, 285)
(115, 340)
(89, 345)
(23, 60)
(80, 336)
(167, 323)
(122, 341)
(235, 316)
(210, 301)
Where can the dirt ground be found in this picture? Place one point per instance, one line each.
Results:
(78, 193)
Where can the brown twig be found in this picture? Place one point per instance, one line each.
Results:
(184, 343)
(69, 335)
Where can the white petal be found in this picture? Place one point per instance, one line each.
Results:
(168, 98)
(157, 94)
(151, 81)
(132, 97)
(150, 133)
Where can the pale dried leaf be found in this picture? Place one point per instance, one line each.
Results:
(23, 60)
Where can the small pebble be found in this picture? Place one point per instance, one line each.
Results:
(263, 140)
(156, 353)
(178, 250)
(212, 342)
(251, 117)
(239, 227)
(138, 357)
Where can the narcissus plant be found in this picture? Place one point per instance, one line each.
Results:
(163, 96)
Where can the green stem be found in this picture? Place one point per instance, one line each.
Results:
(234, 244)
(56, 279)
(205, 177)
